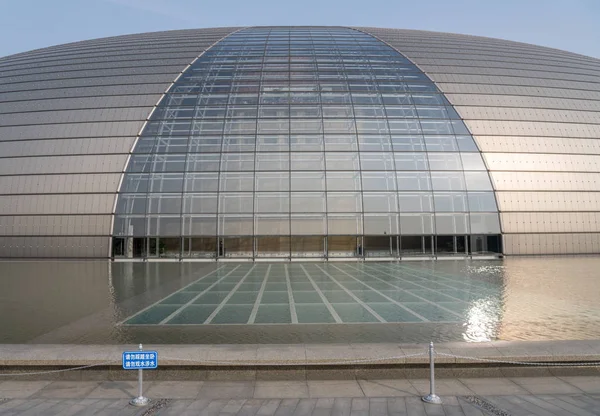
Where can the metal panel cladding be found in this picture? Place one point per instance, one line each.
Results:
(535, 115)
(304, 131)
(69, 116)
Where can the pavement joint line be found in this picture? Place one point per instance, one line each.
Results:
(455, 280)
(451, 277)
(428, 275)
(170, 294)
(421, 317)
(363, 304)
(259, 297)
(424, 287)
(293, 312)
(178, 311)
(420, 297)
(328, 305)
(224, 301)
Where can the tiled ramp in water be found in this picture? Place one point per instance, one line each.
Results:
(318, 293)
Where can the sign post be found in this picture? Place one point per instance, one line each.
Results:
(140, 360)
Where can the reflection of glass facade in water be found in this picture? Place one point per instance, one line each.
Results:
(304, 142)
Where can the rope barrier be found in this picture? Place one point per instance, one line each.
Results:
(201, 362)
(543, 364)
(59, 371)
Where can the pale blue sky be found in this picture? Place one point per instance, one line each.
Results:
(572, 25)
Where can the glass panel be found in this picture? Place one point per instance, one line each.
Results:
(379, 202)
(436, 126)
(272, 161)
(382, 224)
(164, 204)
(441, 144)
(485, 224)
(415, 201)
(466, 144)
(237, 162)
(307, 202)
(203, 162)
(200, 225)
(451, 224)
(472, 161)
(239, 144)
(378, 181)
(230, 203)
(376, 161)
(411, 245)
(236, 247)
(482, 201)
(236, 182)
(450, 202)
(334, 142)
(444, 161)
(448, 181)
(272, 143)
(168, 226)
(307, 161)
(273, 246)
(272, 202)
(377, 246)
(306, 143)
(168, 163)
(201, 182)
(200, 247)
(343, 181)
(272, 181)
(272, 225)
(374, 143)
(342, 161)
(127, 225)
(131, 204)
(408, 143)
(204, 144)
(410, 161)
(416, 224)
(413, 181)
(235, 224)
(343, 246)
(309, 246)
(344, 224)
(199, 203)
(309, 224)
(478, 181)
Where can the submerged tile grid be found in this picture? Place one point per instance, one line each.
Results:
(286, 293)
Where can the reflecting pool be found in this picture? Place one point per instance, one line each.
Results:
(542, 298)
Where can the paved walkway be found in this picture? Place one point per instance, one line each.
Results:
(574, 395)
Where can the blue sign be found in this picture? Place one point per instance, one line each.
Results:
(140, 360)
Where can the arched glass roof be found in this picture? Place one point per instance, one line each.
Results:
(304, 131)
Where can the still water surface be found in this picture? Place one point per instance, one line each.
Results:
(99, 302)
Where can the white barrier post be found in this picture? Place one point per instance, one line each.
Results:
(140, 400)
(431, 397)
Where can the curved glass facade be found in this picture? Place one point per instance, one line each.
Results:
(304, 142)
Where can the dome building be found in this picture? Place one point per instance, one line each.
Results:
(297, 143)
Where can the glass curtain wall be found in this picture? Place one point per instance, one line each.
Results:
(303, 142)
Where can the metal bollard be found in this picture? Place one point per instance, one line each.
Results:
(140, 400)
(431, 397)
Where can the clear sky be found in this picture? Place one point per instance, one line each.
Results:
(572, 25)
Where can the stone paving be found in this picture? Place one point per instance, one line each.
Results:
(574, 395)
